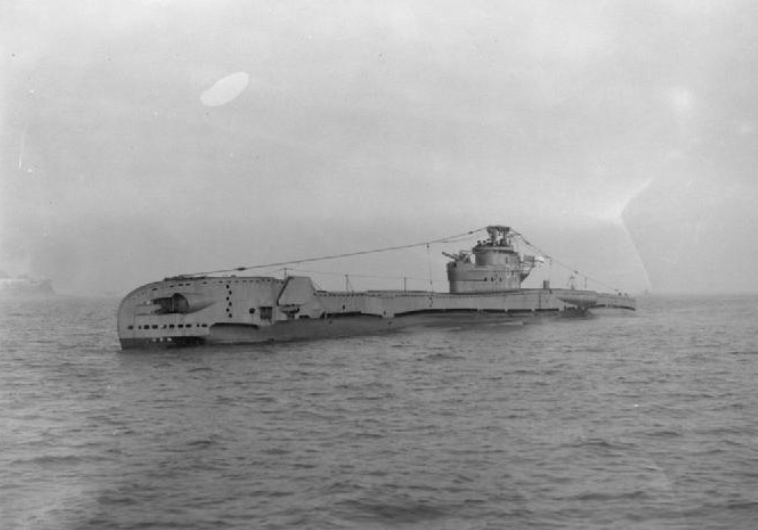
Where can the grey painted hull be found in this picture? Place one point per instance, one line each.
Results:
(260, 310)
(346, 326)
(186, 310)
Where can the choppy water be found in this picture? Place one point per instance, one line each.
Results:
(644, 421)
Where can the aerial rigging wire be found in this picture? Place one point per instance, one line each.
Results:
(564, 265)
(447, 239)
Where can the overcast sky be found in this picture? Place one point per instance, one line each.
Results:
(145, 139)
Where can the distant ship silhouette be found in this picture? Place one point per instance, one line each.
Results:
(24, 286)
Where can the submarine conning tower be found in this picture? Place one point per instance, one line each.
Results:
(493, 264)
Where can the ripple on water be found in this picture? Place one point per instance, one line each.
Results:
(601, 423)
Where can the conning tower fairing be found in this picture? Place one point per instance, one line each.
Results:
(492, 265)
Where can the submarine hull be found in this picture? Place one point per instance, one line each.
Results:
(254, 310)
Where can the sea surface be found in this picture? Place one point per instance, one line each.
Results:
(645, 420)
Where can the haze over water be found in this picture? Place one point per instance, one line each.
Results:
(140, 140)
(146, 139)
(642, 420)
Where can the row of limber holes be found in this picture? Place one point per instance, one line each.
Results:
(170, 326)
(221, 282)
